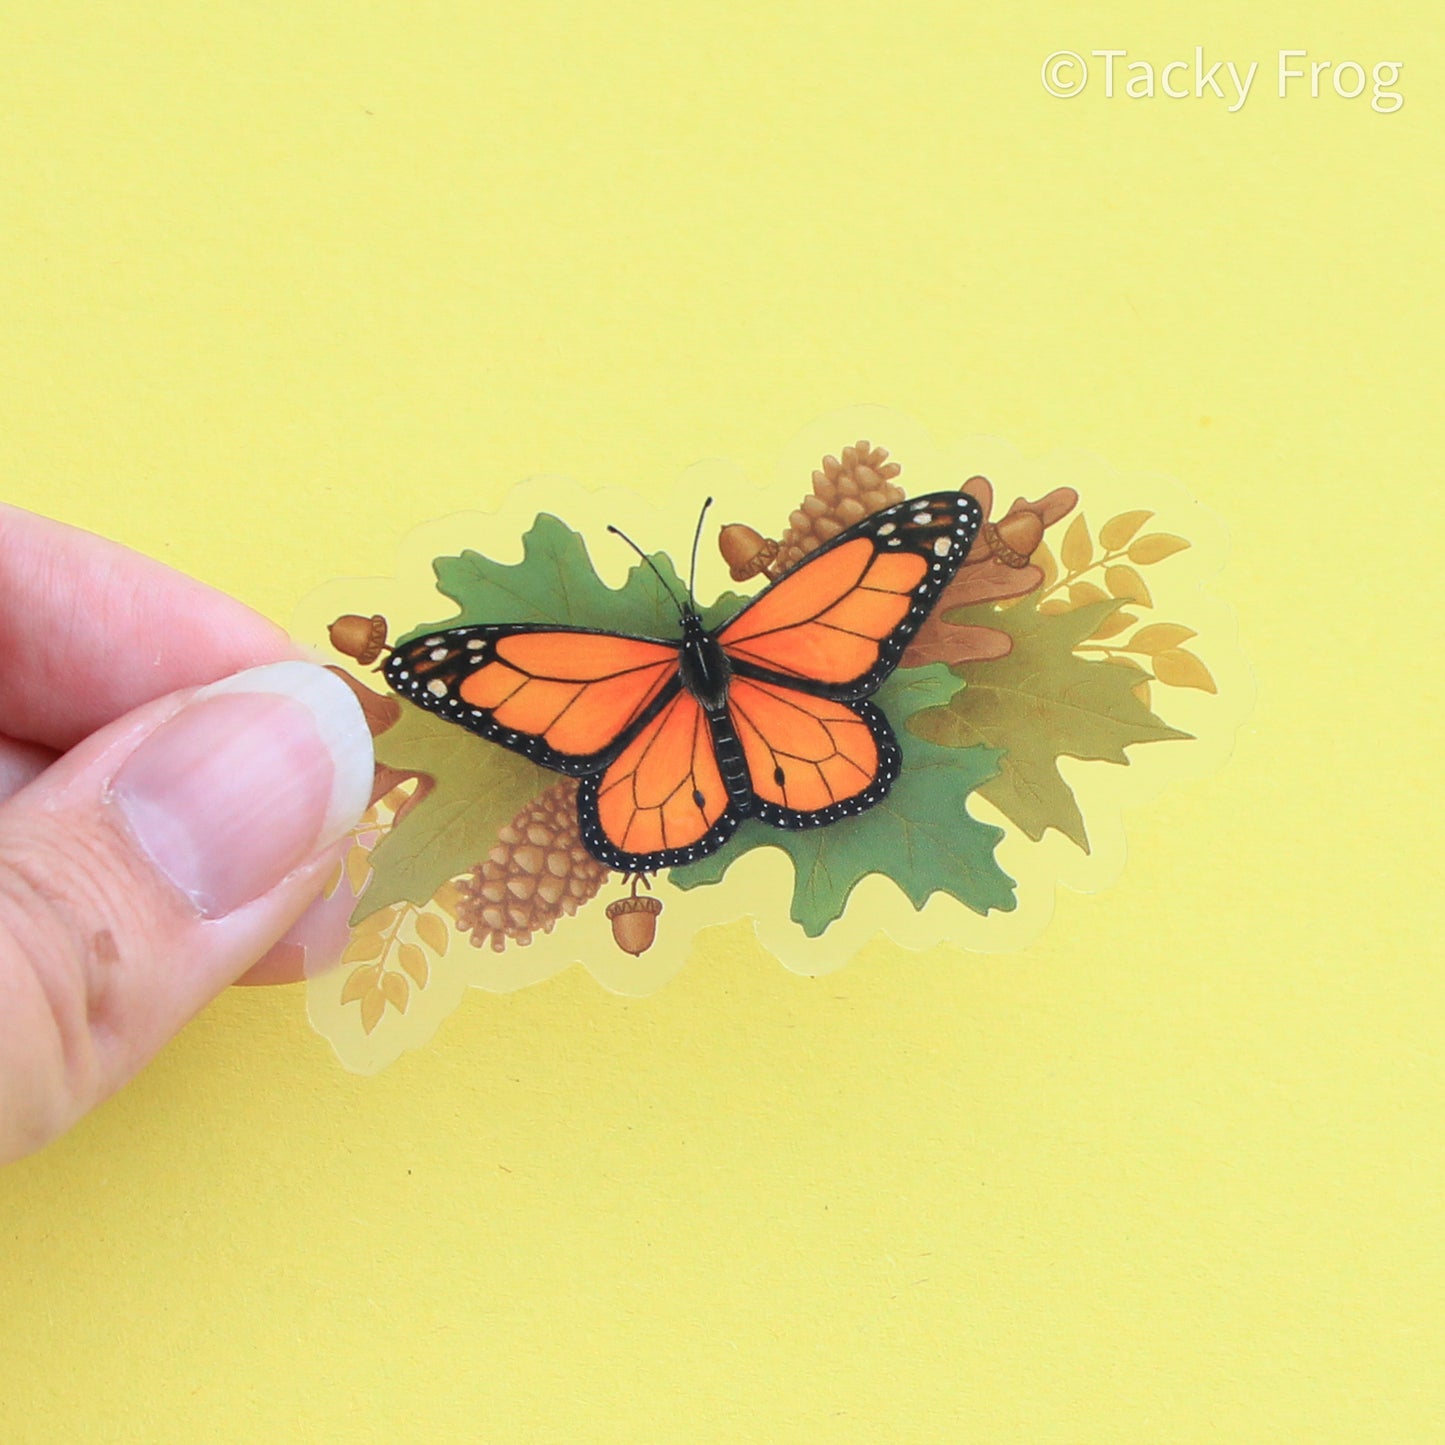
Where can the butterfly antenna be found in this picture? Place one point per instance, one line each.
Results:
(666, 587)
(696, 538)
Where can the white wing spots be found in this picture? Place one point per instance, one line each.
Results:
(433, 641)
(437, 687)
(887, 529)
(942, 547)
(439, 654)
(476, 643)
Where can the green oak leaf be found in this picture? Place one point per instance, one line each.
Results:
(556, 583)
(921, 835)
(908, 690)
(478, 788)
(1039, 703)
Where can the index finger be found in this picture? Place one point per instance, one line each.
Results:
(90, 630)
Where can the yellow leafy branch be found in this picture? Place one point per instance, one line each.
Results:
(1121, 551)
(387, 965)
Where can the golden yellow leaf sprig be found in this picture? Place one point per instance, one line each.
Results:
(1155, 650)
(390, 955)
(390, 951)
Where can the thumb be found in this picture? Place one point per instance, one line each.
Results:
(151, 865)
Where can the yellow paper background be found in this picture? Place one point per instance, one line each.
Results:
(280, 281)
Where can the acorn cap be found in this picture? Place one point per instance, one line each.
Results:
(640, 904)
(746, 551)
(1014, 539)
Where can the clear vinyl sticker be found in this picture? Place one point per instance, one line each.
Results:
(902, 688)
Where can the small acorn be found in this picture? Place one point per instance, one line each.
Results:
(634, 922)
(1015, 538)
(745, 551)
(360, 637)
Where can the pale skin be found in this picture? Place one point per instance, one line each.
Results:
(101, 959)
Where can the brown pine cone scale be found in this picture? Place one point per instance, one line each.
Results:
(845, 490)
(538, 871)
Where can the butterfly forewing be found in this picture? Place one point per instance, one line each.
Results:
(838, 623)
(568, 698)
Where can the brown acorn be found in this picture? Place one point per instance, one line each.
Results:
(360, 637)
(634, 922)
(745, 551)
(1013, 540)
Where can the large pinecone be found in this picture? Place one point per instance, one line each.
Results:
(538, 871)
(845, 490)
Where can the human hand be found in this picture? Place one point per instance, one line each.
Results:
(158, 836)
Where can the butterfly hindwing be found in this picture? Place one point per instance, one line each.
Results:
(664, 800)
(839, 621)
(567, 697)
(810, 759)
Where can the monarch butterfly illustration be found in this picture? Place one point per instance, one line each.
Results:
(675, 742)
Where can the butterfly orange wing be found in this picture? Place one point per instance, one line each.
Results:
(839, 621)
(566, 697)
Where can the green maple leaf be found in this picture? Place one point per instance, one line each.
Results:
(477, 789)
(921, 835)
(555, 583)
(1039, 703)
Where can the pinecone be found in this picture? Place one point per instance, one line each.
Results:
(538, 871)
(844, 491)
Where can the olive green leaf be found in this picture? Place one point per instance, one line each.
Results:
(479, 787)
(921, 835)
(1039, 703)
